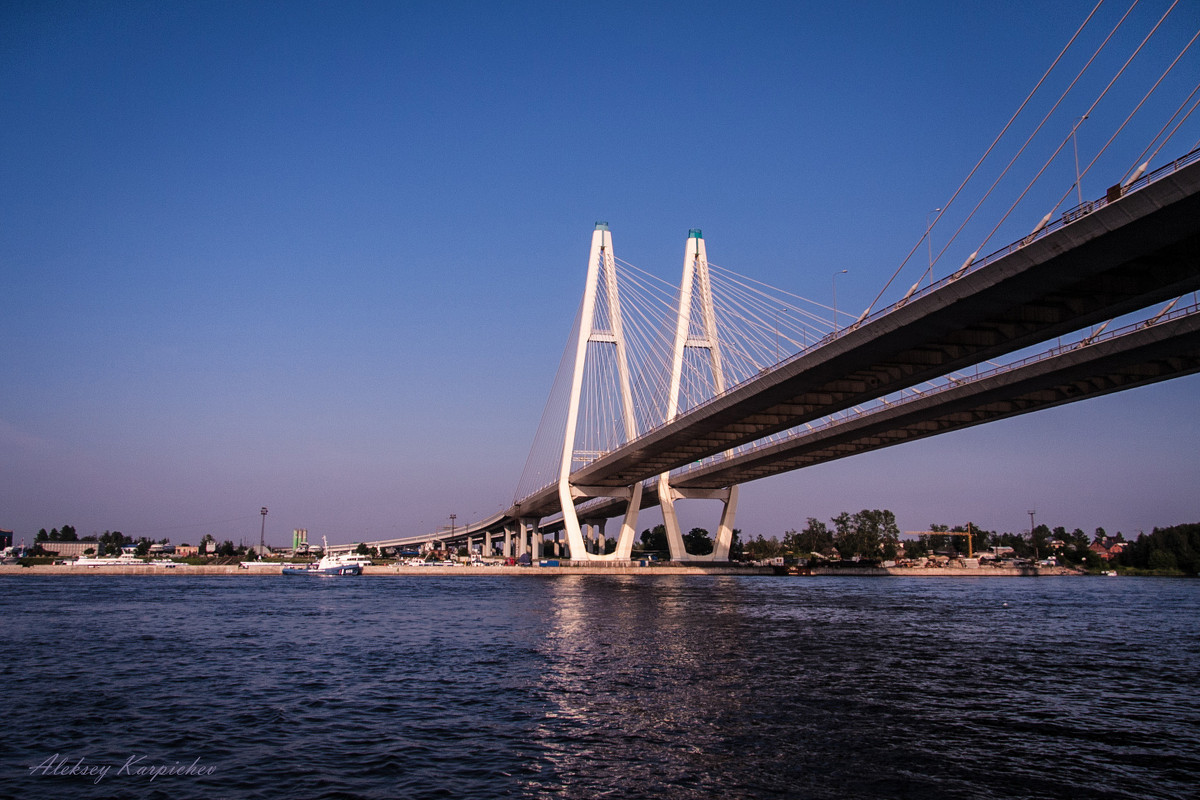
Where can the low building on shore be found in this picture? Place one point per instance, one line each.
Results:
(70, 549)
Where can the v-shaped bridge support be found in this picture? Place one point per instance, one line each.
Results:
(695, 297)
(602, 331)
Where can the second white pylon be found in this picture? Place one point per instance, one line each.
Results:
(700, 334)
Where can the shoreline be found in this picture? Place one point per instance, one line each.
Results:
(568, 569)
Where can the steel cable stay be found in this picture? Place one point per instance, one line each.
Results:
(751, 297)
(1131, 115)
(541, 463)
(1063, 144)
(1029, 140)
(946, 206)
(1142, 162)
(767, 314)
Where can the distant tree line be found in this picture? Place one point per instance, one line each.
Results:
(873, 534)
(1170, 550)
(67, 534)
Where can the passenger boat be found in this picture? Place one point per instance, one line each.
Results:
(123, 560)
(329, 565)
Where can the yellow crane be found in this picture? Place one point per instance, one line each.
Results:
(970, 546)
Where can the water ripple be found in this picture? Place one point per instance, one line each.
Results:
(592, 687)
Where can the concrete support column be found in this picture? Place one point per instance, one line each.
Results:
(529, 532)
(487, 544)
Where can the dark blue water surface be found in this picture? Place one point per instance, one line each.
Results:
(582, 687)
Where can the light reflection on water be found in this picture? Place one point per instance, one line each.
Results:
(589, 686)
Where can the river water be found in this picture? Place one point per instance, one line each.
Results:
(593, 686)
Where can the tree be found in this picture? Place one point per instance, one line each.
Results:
(42, 536)
(1165, 549)
(814, 538)
(1076, 551)
(362, 549)
(760, 548)
(917, 548)
(865, 534)
(1039, 539)
(655, 540)
(697, 542)
(111, 542)
(879, 532)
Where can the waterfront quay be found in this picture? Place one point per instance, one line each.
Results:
(563, 568)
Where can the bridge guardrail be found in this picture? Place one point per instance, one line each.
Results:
(1057, 350)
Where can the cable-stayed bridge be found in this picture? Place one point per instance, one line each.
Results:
(669, 392)
(886, 377)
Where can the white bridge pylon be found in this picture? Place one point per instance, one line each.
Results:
(695, 330)
(695, 294)
(601, 277)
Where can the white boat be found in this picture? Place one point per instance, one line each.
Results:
(343, 564)
(123, 560)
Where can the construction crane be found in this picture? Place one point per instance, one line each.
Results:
(970, 546)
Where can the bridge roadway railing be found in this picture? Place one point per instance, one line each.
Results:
(1138, 354)
(953, 383)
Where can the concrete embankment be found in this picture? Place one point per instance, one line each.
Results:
(566, 569)
(949, 572)
(386, 570)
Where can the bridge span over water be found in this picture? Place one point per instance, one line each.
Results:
(1135, 248)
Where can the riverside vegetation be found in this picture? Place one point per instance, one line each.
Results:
(868, 534)
(874, 535)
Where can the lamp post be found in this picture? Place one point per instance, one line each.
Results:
(262, 533)
(929, 241)
(1032, 535)
(835, 325)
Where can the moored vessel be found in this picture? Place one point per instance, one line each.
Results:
(329, 565)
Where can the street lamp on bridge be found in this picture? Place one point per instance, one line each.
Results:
(839, 272)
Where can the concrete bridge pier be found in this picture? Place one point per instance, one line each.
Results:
(529, 537)
(595, 537)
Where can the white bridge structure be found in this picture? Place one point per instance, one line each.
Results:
(666, 395)
(669, 393)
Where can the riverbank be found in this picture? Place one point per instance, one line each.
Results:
(632, 568)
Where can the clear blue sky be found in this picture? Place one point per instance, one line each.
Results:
(324, 257)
